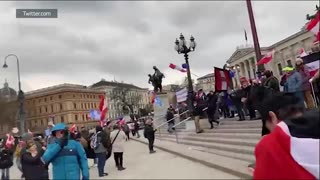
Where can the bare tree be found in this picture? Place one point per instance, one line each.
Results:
(125, 98)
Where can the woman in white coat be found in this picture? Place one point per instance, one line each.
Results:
(118, 137)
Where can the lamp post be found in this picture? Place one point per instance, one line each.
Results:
(20, 94)
(181, 48)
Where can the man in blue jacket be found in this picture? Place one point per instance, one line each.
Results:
(67, 156)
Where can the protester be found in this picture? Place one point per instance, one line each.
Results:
(236, 97)
(136, 127)
(126, 130)
(271, 81)
(89, 151)
(305, 86)
(280, 106)
(197, 113)
(7, 149)
(170, 119)
(246, 100)
(66, 167)
(293, 85)
(291, 151)
(100, 142)
(212, 99)
(149, 133)
(32, 166)
(118, 138)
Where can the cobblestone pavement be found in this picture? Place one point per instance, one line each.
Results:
(142, 165)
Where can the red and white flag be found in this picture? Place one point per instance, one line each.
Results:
(267, 58)
(73, 128)
(314, 25)
(222, 79)
(302, 52)
(173, 66)
(103, 107)
(312, 61)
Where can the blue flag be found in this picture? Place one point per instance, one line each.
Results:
(158, 101)
(94, 114)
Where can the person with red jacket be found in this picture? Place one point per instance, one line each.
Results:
(291, 150)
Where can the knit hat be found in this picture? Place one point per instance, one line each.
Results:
(299, 60)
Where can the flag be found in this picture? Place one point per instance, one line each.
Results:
(267, 58)
(222, 79)
(73, 128)
(314, 25)
(302, 52)
(157, 101)
(103, 107)
(94, 114)
(47, 132)
(245, 35)
(312, 61)
(182, 95)
(185, 66)
(153, 97)
(172, 66)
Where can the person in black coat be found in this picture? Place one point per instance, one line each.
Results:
(32, 165)
(236, 97)
(149, 134)
(212, 99)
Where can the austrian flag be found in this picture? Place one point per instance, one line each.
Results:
(314, 26)
(267, 58)
(173, 66)
(222, 79)
(103, 107)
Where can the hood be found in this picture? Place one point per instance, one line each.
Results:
(304, 140)
(58, 127)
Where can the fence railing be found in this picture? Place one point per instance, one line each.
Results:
(178, 125)
(178, 116)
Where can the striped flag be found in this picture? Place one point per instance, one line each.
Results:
(182, 95)
(222, 79)
(173, 66)
(314, 25)
(103, 107)
(312, 62)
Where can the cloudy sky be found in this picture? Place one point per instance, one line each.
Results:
(123, 40)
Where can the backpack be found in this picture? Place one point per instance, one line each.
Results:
(94, 144)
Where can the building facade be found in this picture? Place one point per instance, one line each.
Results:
(65, 103)
(132, 94)
(243, 60)
(206, 83)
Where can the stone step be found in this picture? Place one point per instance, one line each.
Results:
(256, 136)
(219, 146)
(244, 157)
(229, 165)
(240, 122)
(213, 139)
(234, 130)
(239, 126)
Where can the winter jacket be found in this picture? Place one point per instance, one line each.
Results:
(305, 75)
(291, 150)
(170, 115)
(212, 102)
(104, 139)
(33, 167)
(272, 83)
(68, 162)
(118, 143)
(197, 111)
(6, 159)
(293, 83)
(149, 132)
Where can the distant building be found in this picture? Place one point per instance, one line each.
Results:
(133, 93)
(7, 93)
(67, 103)
(206, 83)
(244, 61)
(170, 87)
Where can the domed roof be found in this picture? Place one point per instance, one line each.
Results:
(7, 92)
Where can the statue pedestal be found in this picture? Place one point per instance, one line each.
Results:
(160, 111)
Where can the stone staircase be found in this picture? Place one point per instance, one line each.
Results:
(233, 139)
(229, 147)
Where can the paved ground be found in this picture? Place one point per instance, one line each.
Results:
(161, 165)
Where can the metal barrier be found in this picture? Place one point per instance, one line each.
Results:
(177, 125)
(158, 127)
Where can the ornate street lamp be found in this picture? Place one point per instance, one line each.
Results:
(20, 94)
(182, 48)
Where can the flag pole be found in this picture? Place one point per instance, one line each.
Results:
(254, 35)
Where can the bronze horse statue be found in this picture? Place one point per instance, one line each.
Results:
(156, 79)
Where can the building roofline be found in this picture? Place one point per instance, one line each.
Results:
(206, 76)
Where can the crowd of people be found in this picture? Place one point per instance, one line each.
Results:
(68, 150)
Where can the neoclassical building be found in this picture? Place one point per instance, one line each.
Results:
(206, 83)
(244, 61)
